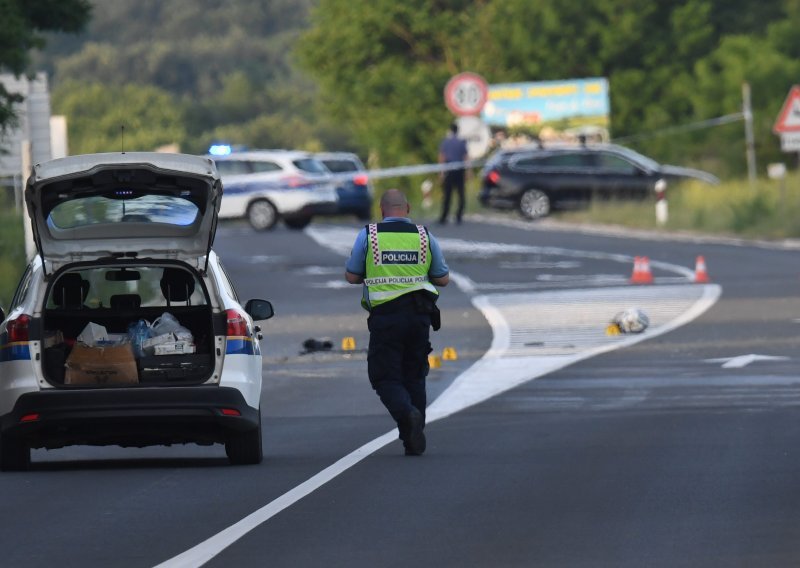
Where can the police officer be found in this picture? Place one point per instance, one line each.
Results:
(453, 150)
(399, 263)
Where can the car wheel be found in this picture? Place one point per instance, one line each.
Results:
(534, 203)
(262, 215)
(364, 215)
(297, 222)
(14, 455)
(244, 448)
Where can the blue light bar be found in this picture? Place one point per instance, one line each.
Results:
(220, 149)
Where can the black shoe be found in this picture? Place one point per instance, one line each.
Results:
(414, 441)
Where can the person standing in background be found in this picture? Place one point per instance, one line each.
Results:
(453, 150)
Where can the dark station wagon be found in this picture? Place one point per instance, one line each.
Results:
(538, 179)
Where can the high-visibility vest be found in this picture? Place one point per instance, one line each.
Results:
(398, 260)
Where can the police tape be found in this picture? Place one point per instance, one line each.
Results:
(412, 170)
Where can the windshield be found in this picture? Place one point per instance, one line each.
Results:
(94, 210)
(637, 158)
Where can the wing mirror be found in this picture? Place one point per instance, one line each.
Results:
(259, 309)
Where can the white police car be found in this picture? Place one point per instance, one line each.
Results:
(125, 329)
(264, 186)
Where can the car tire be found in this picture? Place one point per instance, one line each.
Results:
(244, 448)
(297, 223)
(364, 215)
(15, 455)
(262, 215)
(534, 203)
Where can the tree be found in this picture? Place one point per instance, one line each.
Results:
(21, 27)
(150, 117)
(382, 65)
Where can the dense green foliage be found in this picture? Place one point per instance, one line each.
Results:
(12, 252)
(382, 65)
(22, 23)
(369, 74)
(225, 67)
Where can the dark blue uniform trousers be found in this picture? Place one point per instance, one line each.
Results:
(397, 360)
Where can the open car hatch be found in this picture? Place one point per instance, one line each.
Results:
(134, 204)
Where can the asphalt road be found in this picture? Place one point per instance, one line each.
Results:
(562, 446)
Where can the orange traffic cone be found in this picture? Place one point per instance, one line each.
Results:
(641, 271)
(700, 274)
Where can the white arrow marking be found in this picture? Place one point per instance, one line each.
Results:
(744, 360)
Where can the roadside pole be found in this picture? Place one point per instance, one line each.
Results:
(662, 209)
(747, 111)
(27, 162)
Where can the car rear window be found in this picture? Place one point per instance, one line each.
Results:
(262, 166)
(341, 166)
(232, 167)
(140, 286)
(310, 165)
(124, 207)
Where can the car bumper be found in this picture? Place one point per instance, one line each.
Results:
(355, 199)
(128, 417)
(494, 198)
(312, 209)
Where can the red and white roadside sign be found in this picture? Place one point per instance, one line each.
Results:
(465, 94)
(788, 123)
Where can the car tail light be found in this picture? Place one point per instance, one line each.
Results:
(493, 176)
(230, 412)
(361, 179)
(30, 417)
(237, 324)
(295, 181)
(18, 328)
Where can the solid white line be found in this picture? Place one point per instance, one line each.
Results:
(484, 374)
(496, 373)
(208, 549)
(489, 376)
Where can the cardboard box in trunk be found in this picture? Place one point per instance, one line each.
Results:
(112, 365)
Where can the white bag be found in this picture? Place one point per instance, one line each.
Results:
(167, 323)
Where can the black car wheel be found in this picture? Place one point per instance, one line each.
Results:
(534, 203)
(244, 448)
(297, 222)
(15, 455)
(262, 215)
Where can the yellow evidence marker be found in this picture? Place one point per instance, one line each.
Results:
(449, 354)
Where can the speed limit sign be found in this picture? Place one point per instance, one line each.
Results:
(465, 94)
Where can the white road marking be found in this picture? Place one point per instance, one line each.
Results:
(534, 333)
(744, 360)
(340, 240)
(530, 265)
(524, 347)
(537, 333)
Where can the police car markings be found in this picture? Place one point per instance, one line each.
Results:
(568, 327)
